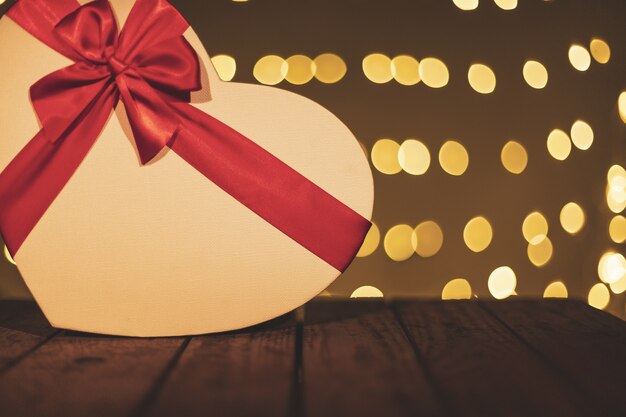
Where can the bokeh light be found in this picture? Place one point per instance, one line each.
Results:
(429, 239)
(414, 157)
(377, 68)
(481, 78)
(535, 74)
(270, 70)
(581, 134)
(370, 243)
(434, 72)
(453, 158)
(405, 70)
(555, 289)
(616, 189)
(466, 4)
(506, 4)
(385, 156)
(600, 50)
(367, 291)
(611, 267)
(559, 144)
(329, 68)
(225, 66)
(572, 218)
(400, 242)
(457, 289)
(535, 228)
(514, 157)
(617, 229)
(540, 254)
(579, 57)
(502, 282)
(477, 234)
(621, 106)
(300, 69)
(599, 296)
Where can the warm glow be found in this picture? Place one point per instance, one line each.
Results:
(367, 291)
(429, 239)
(433, 72)
(514, 157)
(599, 296)
(600, 50)
(225, 66)
(579, 57)
(385, 156)
(555, 290)
(506, 4)
(621, 106)
(414, 157)
(535, 228)
(540, 254)
(618, 286)
(616, 199)
(453, 158)
(502, 282)
(535, 74)
(477, 234)
(372, 239)
(617, 229)
(559, 144)
(466, 4)
(400, 242)
(377, 68)
(300, 69)
(457, 289)
(329, 68)
(8, 255)
(612, 267)
(616, 177)
(405, 70)
(572, 218)
(582, 135)
(270, 70)
(481, 78)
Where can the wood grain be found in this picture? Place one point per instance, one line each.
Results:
(356, 361)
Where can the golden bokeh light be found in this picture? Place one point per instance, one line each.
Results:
(466, 4)
(618, 286)
(300, 69)
(506, 4)
(599, 296)
(502, 282)
(616, 177)
(621, 106)
(367, 291)
(535, 74)
(541, 253)
(453, 158)
(600, 50)
(514, 157)
(477, 234)
(556, 289)
(559, 144)
(414, 157)
(481, 78)
(572, 218)
(429, 239)
(434, 72)
(270, 70)
(579, 57)
(329, 68)
(370, 243)
(405, 70)
(385, 156)
(377, 68)
(457, 289)
(400, 242)
(8, 255)
(225, 66)
(617, 229)
(616, 189)
(611, 267)
(581, 134)
(535, 228)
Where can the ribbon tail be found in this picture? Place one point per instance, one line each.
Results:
(269, 187)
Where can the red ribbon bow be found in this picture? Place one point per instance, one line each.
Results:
(152, 68)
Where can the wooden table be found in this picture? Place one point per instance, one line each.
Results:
(348, 358)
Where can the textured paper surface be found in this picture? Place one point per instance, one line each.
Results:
(159, 250)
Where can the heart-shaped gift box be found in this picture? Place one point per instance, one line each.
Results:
(158, 249)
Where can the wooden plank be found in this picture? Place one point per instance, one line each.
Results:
(357, 361)
(244, 373)
(23, 328)
(482, 368)
(586, 345)
(79, 374)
